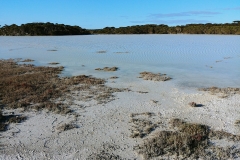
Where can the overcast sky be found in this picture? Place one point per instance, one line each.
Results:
(93, 14)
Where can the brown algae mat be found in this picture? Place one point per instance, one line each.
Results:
(53, 63)
(107, 69)
(27, 60)
(154, 77)
(102, 51)
(36, 87)
(221, 92)
(188, 141)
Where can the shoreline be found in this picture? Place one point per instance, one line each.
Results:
(119, 34)
(182, 57)
(105, 129)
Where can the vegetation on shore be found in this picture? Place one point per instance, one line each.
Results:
(41, 29)
(187, 141)
(34, 29)
(28, 87)
(209, 28)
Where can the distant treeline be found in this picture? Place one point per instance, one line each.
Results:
(39, 29)
(61, 29)
(227, 28)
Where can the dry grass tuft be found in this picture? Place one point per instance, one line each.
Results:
(16, 119)
(218, 135)
(141, 127)
(103, 155)
(58, 108)
(65, 127)
(188, 141)
(192, 104)
(149, 114)
(237, 122)
(107, 152)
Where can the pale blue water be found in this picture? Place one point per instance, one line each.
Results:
(189, 59)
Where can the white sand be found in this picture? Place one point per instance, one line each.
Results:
(107, 127)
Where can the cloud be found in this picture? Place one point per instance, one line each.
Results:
(187, 21)
(177, 18)
(234, 8)
(184, 14)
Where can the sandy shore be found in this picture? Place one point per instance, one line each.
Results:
(106, 130)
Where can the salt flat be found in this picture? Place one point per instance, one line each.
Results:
(193, 61)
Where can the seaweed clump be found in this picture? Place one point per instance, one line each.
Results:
(188, 141)
(154, 77)
(27, 60)
(53, 63)
(107, 69)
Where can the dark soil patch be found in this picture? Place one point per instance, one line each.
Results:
(5, 120)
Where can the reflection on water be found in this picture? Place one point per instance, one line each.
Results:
(191, 60)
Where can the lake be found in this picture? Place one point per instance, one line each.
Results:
(191, 60)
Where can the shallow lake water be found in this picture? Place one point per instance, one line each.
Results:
(191, 60)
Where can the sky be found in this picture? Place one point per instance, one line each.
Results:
(94, 14)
